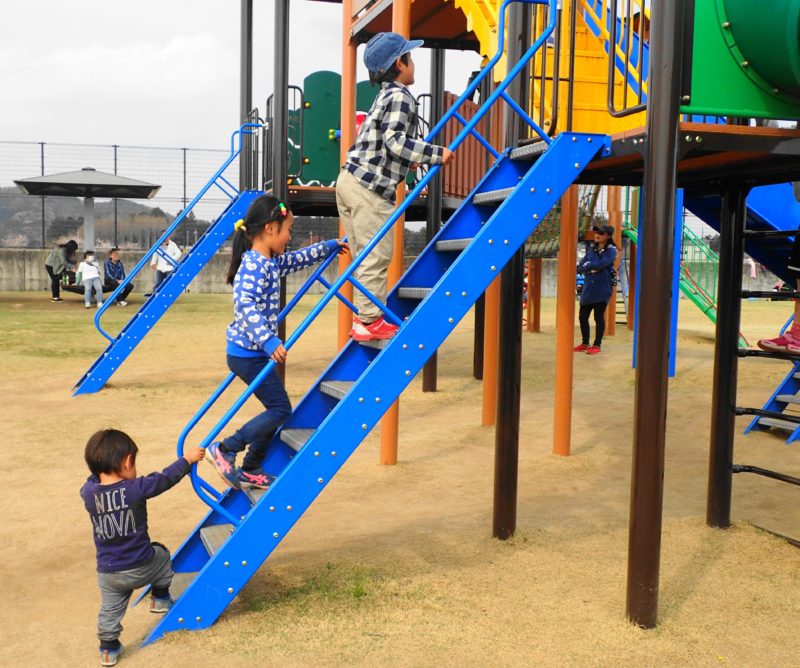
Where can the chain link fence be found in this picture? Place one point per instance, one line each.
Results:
(40, 222)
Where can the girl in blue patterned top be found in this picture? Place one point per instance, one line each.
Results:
(257, 263)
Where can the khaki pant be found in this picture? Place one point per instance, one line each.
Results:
(363, 212)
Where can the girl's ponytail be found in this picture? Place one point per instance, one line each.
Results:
(264, 210)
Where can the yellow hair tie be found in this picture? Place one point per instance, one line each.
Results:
(239, 225)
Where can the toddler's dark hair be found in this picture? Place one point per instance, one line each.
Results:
(264, 210)
(107, 449)
(389, 75)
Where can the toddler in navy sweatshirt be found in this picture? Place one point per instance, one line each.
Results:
(116, 501)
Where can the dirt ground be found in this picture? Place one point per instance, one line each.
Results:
(396, 565)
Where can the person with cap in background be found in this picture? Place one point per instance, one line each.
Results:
(386, 147)
(597, 267)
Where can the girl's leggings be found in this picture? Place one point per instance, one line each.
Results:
(259, 431)
(93, 284)
(585, 310)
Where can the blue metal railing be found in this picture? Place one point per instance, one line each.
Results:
(244, 129)
(347, 275)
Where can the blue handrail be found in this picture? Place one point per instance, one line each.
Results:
(345, 276)
(245, 128)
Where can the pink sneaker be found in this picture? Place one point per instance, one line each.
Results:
(581, 347)
(380, 329)
(785, 343)
(593, 350)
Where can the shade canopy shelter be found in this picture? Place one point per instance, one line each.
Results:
(87, 183)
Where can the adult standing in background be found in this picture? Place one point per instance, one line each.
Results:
(161, 265)
(597, 267)
(57, 263)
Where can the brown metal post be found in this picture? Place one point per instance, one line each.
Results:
(657, 241)
(565, 322)
(347, 124)
(726, 359)
(477, 345)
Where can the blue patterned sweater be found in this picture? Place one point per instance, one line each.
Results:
(256, 297)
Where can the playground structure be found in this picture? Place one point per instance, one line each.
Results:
(715, 164)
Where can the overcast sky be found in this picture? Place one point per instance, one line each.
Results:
(156, 72)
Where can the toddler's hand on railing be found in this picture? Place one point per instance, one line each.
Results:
(194, 455)
(344, 247)
(447, 157)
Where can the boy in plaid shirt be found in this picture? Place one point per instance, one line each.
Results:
(384, 150)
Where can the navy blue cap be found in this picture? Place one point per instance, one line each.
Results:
(386, 47)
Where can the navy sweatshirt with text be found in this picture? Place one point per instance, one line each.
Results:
(119, 516)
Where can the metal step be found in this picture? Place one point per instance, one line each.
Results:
(254, 493)
(179, 583)
(529, 151)
(335, 388)
(450, 245)
(778, 424)
(413, 293)
(492, 196)
(214, 536)
(789, 398)
(378, 344)
(295, 438)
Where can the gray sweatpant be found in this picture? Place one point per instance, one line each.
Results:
(116, 589)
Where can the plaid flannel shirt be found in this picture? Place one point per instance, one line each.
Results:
(387, 142)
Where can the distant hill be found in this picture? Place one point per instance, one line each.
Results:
(138, 224)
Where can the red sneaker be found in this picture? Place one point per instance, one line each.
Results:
(581, 347)
(780, 344)
(593, 350)
(380, 329)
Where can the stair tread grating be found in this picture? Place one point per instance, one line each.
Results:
(528, 151)
(214, 536)
(789, 398)
(779, 424)
(492, 196)
(336, 388)
(296, 438)
(254, 493)
(452, 244)
(413, 293)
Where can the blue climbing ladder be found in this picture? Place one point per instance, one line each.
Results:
(121, 345)
(242, 529)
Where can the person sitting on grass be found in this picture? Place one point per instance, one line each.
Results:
(116, 501)
(115, 274)
(789, 342)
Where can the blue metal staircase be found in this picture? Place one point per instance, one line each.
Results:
(243, 528)
(122, 345)
(365, 379)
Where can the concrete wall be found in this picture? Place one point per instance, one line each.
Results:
(23, 270)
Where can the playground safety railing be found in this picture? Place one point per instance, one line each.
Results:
(217, 180)
(213, 497)
(624, 26)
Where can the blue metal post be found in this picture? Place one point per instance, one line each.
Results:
(676, 281)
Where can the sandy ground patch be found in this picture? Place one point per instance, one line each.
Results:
(395, 565)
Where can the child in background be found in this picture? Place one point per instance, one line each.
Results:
(89, 275)
(115, 274)
(597, 267)
(258, 261)
(386, 147)
(116, 501)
